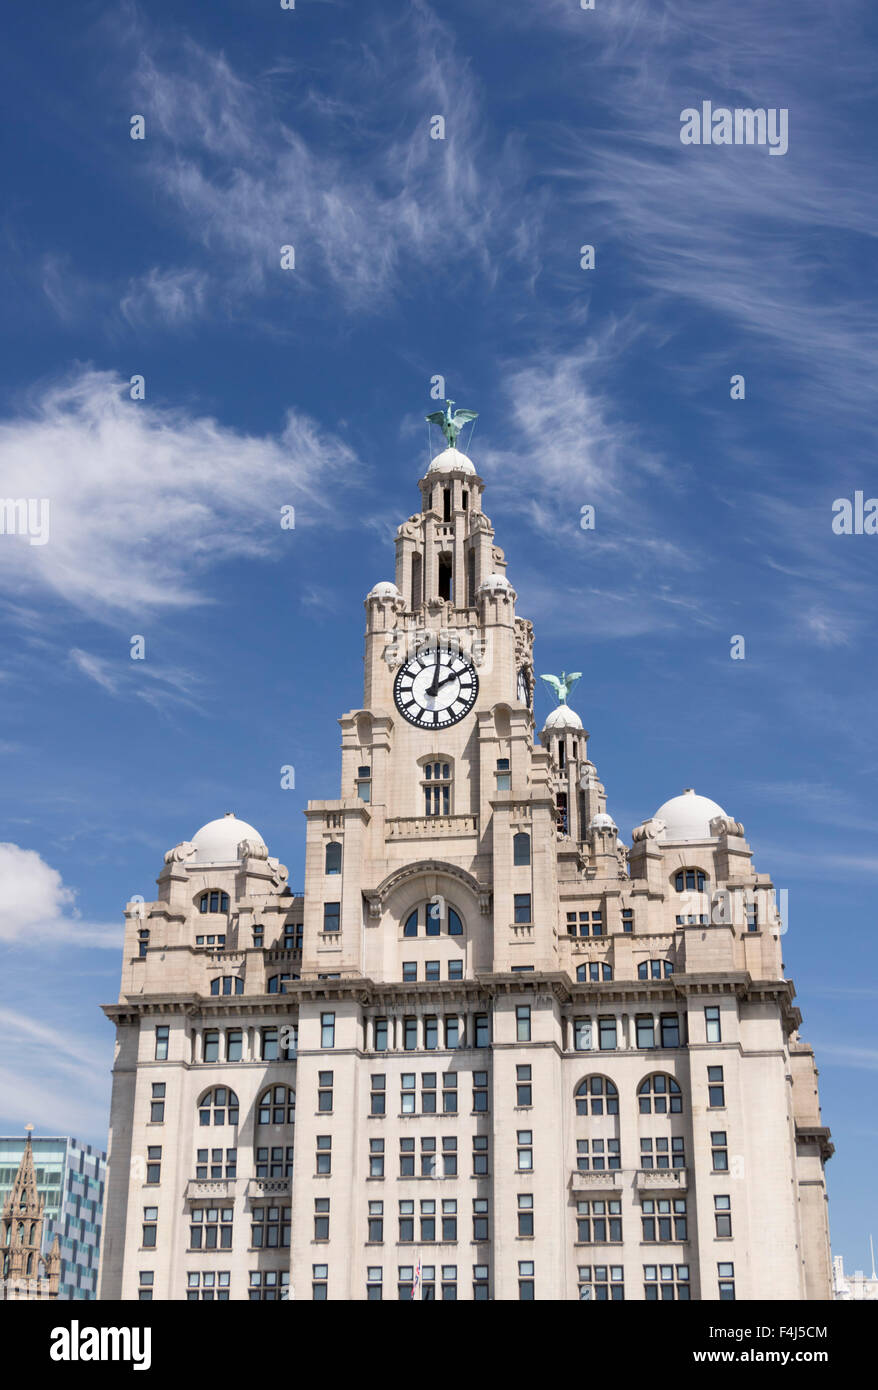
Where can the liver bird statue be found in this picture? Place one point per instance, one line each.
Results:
(451, 421)
(563, 686)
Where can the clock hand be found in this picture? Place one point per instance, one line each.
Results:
(445, 680)
(434, 684)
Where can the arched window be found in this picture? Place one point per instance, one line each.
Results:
(659, 1095)
(218, 1106)
(521, 848)
(654, 969)
(689, 881)
(436, 774)
(227, 984)
(277, 1106)
(333, 858)
(214, 901)
(594, 972)
(597, 1095)
(276, 982)
(433, 920)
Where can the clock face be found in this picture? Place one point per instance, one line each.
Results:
(435, 690)
(523, 697)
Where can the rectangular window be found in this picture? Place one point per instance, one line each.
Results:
(162, 1034)
(480, 1091)
(607, 1034)
(378, 1095)
(670, 1029)
(153, 1164)
(279, 1165)
(146, 1281)
(428, 1157)
(376, 1158)
(722, 1208)
(319, 1276)
(480, 1219)
(719, 1151)
(664, 1283)
(449, 1221)
(327, 1030)
(663, 1153)
(269, 1286)
(270, 1046)
(234, 1045)
(716, 1091)
(409, 971)
(150, 1218)
(752, 916)
(406, 1221)
(449, 1283)
(504, 779)
(270, 1226)
(597, 1155)
(449, 1093)
(428, 1093)
(381, 1035)
(410, 1034)
(663, 1219)
(482, 1031)
(431, 970)
(157, 1105)
(480, 1155)
(598, 1222)
(583, 1035)
(522, 908)
(645, 1030)
(431, 1032)
(211, 1228)
(376, 1223)
(526, 1280)
(523, 1086)
(712, 1024)
(455, 970)
(525, 1151)
(331, 916)
(601, 1283)
(522, 1022)
(374, 1285)
(726, 1275)
(211, 1046)
(324, 1153)
(324, 1092)
(525, 1214)
(449, 1156)
(321, 1218)
(407, 1096)
(406, 1158)
(627, 919)
(452, 1031)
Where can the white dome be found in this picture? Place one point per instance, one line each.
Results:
(563, 718)
(495, 581)
(384, 589)
(602, 822)
(449, 459)
(688, 816)
(217, 842)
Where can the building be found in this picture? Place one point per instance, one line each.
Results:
(25, 1272)
(491, 1051)
(856, 1287)
(69, 1179)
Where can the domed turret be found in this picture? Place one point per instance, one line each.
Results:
(384, 589)
(450, 459)
(562, 717)
(688, 816)
(217, 842)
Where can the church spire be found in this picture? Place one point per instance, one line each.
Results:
(21, 1236)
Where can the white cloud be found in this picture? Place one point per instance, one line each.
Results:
(36, 909)
(174, 296)
(54, 1078)
(144, 498)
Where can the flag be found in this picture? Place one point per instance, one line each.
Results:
(417, 1279)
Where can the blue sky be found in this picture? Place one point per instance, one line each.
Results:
(264, 387)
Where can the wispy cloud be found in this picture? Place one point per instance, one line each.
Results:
(143, 499)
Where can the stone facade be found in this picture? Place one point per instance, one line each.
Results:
(489, 1050)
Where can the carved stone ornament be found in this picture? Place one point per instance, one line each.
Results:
(411, 529)
(649, 830)
(184, 850)
(724, 825)
(252, 849)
